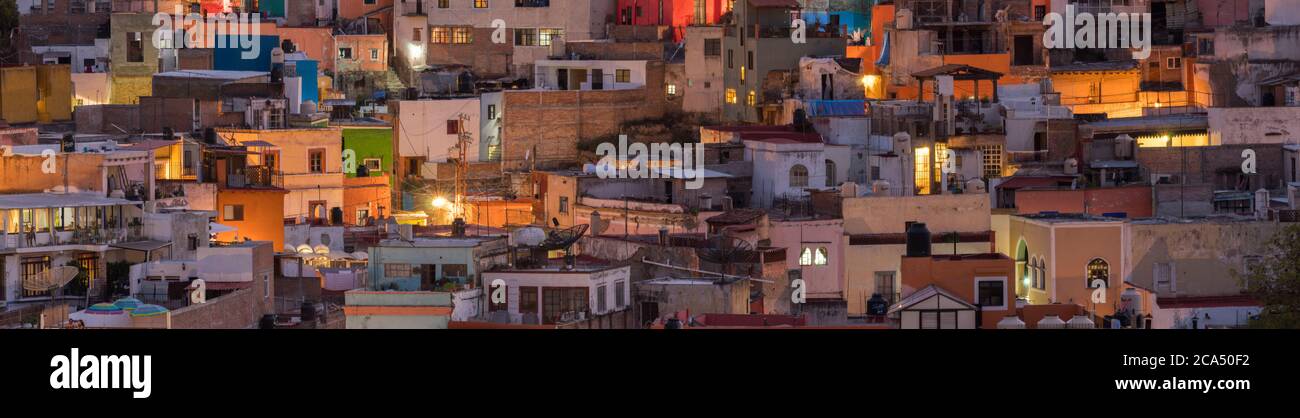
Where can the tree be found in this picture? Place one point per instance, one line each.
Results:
(1275, 281)
(8, 25)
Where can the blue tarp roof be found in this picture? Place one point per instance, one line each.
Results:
(816, 108)
(884, 54)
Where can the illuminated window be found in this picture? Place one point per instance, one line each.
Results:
(742, 73)
(731, 96)
(547, 36)
(922, 170)
(440, 35)
(751, 99)
(672, 89)
(992, 160)
(940, 158)
(480, 4)
(798, 176)
(1098, 270)
(461, 35)
(814, 256)
(622, 76)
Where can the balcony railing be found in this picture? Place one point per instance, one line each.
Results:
(256, 176)
(80, 236)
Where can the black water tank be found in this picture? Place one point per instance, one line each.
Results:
(210, 135)
(673, 323)
(308, 310)
(877, 305)
(362, 171)
(918, 240)
(267, 322)
(458, 227)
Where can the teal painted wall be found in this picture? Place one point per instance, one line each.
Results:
(379, 256)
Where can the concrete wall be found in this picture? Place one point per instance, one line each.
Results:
(24, 174)
(941, 213)
(703, 89)
(1202, 255)
(1136, 201)
(1253, 125)
(241, 309)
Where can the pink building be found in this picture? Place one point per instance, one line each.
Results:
(814, 247)
(675, 13)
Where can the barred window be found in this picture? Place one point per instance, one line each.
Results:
(397, 270)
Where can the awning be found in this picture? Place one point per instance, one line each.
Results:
(58, 200)
(216, 228)
(256, 143)
(211, 285)
(148, 245)
(1017, 182)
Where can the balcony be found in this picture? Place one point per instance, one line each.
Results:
(254, 177)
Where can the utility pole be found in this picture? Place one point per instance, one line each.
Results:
(462, 166)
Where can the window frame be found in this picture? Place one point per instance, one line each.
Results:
(1002, 296)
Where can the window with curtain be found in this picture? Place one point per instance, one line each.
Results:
(798, 176)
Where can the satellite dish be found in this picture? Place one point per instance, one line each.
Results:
(563, 238)
(52, 278)
(305, 249)
(360, 255)
(321, 250)
(725, 250)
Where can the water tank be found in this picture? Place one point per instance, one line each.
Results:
(1123, 146)
(277, 55)
(267, 322)
(673, 323)
(458, 227)
(528, 237)
(880, 187)
(307, 107)
(363, 171)
(308, 311)
(1011, 322)
(706, 202)
(406, 231)
(1071, 167)
(849, 189)
(1051, 322)
(1130, 303)
(877, 305)
(1080, 322)
(918, 240)
(975, 186)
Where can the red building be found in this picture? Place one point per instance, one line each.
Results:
(675, 13)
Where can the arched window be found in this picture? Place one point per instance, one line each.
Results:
(830, 174)
(798, 176)
(806, 257)
(1040, 278)
(821, 257)
(1098, 269)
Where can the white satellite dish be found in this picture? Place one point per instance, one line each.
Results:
(321, 250)
(305, 249)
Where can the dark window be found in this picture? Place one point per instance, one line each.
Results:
(991, 293)
(316, 160)
(731, 59)
(557, 301)
(492, 112)
(453, 126)
(528, 299)
(345, 53)
(564, 204)
(749, 60)
(134, 47)
(712, 47)
(232, 213)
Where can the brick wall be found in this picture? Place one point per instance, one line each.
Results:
(550, 124)
(236, 310)
(1206, 165)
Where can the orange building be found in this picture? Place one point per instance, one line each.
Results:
(250, 198)
(255, 213)
(983, 281)
(366, 197)
(499, 213)
(1133, 201)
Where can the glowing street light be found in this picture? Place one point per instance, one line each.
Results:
(439, 202)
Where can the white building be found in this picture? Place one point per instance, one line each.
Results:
(589, 74)
(555, 295)
(787, 164)
(428, 130)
